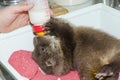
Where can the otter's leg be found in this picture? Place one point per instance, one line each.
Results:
(86, 73)
(62, 30)
(110, 71)
(59, 28)
(87, 68)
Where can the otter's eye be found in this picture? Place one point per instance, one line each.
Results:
(42, 49)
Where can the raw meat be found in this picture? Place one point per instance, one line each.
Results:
(22, 62)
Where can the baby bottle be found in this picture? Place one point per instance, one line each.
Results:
(39, 15)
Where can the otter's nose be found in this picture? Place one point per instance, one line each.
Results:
(50, 62)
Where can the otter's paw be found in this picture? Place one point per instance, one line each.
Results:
(105, 71)
(47, 30)
(101, 76)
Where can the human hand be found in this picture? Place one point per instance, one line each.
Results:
(15, 16)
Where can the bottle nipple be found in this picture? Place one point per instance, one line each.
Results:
(38, 30)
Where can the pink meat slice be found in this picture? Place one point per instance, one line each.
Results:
(40, 76)
(22, 62)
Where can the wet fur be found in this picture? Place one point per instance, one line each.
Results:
(95, 54)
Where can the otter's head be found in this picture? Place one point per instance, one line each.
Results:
(49, 56)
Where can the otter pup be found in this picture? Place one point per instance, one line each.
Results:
(95, 54)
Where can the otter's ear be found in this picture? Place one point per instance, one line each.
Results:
(35, 41)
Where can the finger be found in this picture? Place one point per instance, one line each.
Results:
(26, 6)
(51, 12)
(23, 7)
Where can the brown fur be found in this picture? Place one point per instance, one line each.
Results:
(95, 54)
